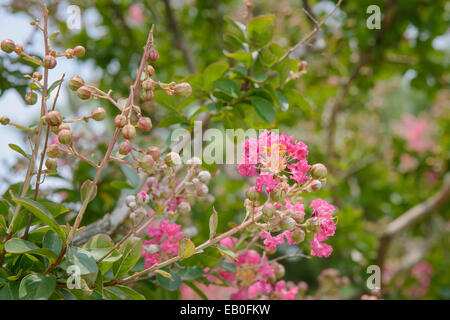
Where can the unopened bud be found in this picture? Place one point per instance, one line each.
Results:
(84, 93)
(277, 195)
(144, 124)
(172, 159)
(147, 162)
(142, 198)
(150, 70)
(298, 235)
(53, 151)
(279, 270)
(65, 136)
(8, 45)
(154, 152)
(69, 53)
(129, 132)
(202, 190)
(98, 114)
(49, 62)
(313, 224)
(62, 126)
(79, 51)
(204, 176)
(315, 185)
(75, 83)
(30, 98)
(53, 118)
(147, 95)
(318, 171)
(51, 164)
(37, 75)
(147, 84)
(268, 210)
(153, 55)
(18, 49)
(124, 147)
(252, 194)
(182, 89)
(4, 120)
(120, 121)
(184, 207)
(287, 223)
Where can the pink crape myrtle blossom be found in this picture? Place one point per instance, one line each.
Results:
(417, 132)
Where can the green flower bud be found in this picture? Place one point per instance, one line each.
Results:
(69, 53)
(120, 121)
(65, 136)
(147, 95)
(51, 164)
(53, 151)
(147, 162)
(129, 132)
(184, 207)
(84, 93)
(154, 152)
(182, 89)
(315, 185)
(298, 235)
(37, 75)
(18, 49)
(144, 124)
(150, 70)
(268, 210)
(49, 62)
(125, 148)
(172, 159)
(153, 55)
(75, 83)
(79, 51)
(98, 114)
(319, 171)
(147, 85)
(313, 224)
(287, 223)
(4, 120)
(30, 98)
(8, 45)
(252, 194)
(53, 118)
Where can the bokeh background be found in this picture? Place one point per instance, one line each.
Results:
(376, 112)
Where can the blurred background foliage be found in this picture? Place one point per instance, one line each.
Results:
(349, 108)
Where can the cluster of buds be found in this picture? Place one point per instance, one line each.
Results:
(78, 51)
(138, 205)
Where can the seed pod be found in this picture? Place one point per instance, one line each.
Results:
(51, 164)
(120, 121)
(144, 124)
(79, 51)
(4, 120)
(49, 62)
(18, 49)
(53, 118)
(37, 75)
(75, 83)
(8, 45)
(154, 152)
(53, 151)
(125, 148)
(129, 132)
(84, 93)
(204, 176)
(69, 53)
(182, 89)
(30, 97)
(172, 159)
(153, 55)
(98, 114)
(318, 171)
(65, 136)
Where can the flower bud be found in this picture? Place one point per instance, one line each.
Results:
(279, 270)
(49, 62)
(202, 190)
(125, 148)
(150, 70)
(172, 159)
(252, 194)
(147, 162)
(287, 223)
(53, 118)
(84, 93)
(98, 114)
(142, 198)
(268, 210)
(151, 181)
(313, 224)
(153, 55)
(18, 49)
(62, 126)
(298, 235)
(65, 136)
(53, 151)
(30, 98)
(79, 51)
(69, 53)
(147, 84)
(184, 207)
(204, 176)
(51, 164)
(315, 185)
(75, 83)
(8, 45)
(120, 121)
(274, 223)
(37, 75)
(147, 95)
(277, 195)
(318, 171)
(129, 132)
(154, 152)
(182, 89)
(4, 120)
(144, 124)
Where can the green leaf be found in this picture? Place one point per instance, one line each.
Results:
(82, 259)
(263, 108)
(42, 214)
(56, 209)
(284, 103)
(88, 188)
(169, 284)
(16, 245)
(213, 222)
(52, 241)
(228, 266)
(19, 150)
(164, 274)
(196, 289)
(190, 273)
(227, 86)
(131, 251)
(101, 240)
(212, 73)
(124, 293)
(37, 286)
(244, 57)
(131, 175)
(52, 87)
(260, 30)
(225, 251)
(120, 185)
(187, 248)
(171, 120)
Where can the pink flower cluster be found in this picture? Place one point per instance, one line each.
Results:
(323, 211)
(417, 133)
(272, 155)
(166, 236)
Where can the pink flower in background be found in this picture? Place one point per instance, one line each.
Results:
(135, 14)
(284, 292)
(417, 132)
(228, 242)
